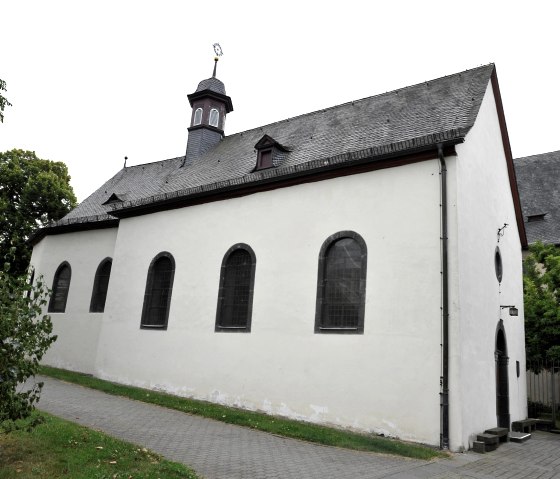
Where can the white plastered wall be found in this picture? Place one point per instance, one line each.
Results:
(485, 203)
(77, 328)
(386, 380)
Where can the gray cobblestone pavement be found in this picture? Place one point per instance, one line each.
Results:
(221, 451)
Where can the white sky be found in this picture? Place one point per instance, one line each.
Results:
(94, 81)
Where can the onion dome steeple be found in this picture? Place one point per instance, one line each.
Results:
(210, 104)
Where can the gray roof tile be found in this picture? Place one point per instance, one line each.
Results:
(396, 121)
(538, 182)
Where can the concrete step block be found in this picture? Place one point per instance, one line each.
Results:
(519, 436)
(501, 432)
(488, 439)
(478, 446)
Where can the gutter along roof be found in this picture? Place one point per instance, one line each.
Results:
(373, 130)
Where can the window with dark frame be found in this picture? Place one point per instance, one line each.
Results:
(341, 284)
(61, 285)
(235, 297)
(264, 159)
(197, 117)
(157, 297)
(100, 286)
(214, 118)
(31, 280)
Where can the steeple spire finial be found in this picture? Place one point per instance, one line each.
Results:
(219, 53)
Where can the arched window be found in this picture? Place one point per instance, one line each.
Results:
(341, 284)
(197, 116)
(100, 286)
(214, 117)
(157, 297)
(61, 285)
(235, 297)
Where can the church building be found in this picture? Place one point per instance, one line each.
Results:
(357, 266)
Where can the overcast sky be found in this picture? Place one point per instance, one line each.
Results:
(94, 81)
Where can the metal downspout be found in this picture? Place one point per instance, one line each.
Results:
(444, 381)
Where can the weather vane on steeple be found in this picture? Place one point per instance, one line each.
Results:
(218, 51)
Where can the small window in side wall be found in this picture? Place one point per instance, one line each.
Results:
(157, 297)
(197, 117)
(214, 118)
(31, 276)
(235, 296)
(61, 285)
(100, 286)
(341, 284)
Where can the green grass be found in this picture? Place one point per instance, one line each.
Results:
(58, 448)
(263, 422)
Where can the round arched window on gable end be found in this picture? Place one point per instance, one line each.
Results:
(498, 264)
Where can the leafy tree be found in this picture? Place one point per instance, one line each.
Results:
(541, 287)
(3, 101)
(25, 335)
(33, 193)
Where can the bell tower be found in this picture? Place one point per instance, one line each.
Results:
(210, 105)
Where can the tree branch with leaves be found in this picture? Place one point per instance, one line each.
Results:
(33, 193)
(25, 336)
(3, 100)
(541, 287)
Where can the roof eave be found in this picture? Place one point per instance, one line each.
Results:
(509, 160)
(317, 170)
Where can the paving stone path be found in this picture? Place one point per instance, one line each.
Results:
(222, 451)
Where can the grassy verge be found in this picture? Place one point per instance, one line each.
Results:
(59, 448)
(255, 420)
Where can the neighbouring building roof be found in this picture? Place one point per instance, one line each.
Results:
(410, 119)
(538, 179)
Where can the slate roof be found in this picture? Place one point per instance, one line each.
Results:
(212, 84)
(538, 182)
(409, 119)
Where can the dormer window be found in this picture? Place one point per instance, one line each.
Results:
(534, 218)
(270, 153)
(264, 159)
(197, 116)
(214, 117)
(114, 198)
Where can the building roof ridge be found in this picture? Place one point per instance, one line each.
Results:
(352, 102)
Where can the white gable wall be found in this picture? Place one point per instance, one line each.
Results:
(484, 204)
(77, 328)
(386, 380)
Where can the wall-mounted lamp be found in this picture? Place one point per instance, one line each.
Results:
(513, 311)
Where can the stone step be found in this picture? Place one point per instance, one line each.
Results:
(490, 441)
(478, 446)
(515, 436)
(525, 425)
(544, 424)
(500, 432)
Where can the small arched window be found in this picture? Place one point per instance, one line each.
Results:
(214, 118)
(61, 285)
(341, 287)
(157, 297)
(235, 297)
(100, 286)
(197, 117)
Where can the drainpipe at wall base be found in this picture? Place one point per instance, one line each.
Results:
(444, 380)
